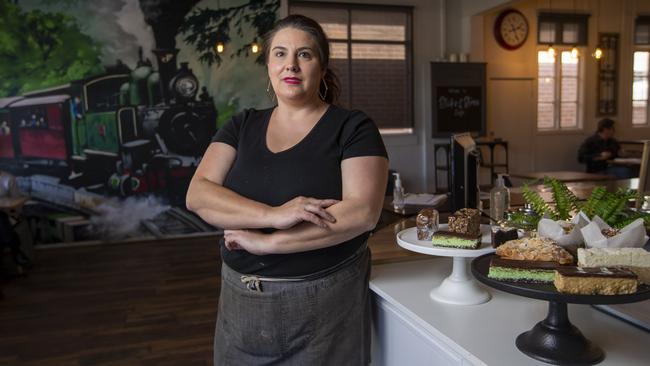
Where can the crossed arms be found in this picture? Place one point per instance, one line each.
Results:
(304, 223)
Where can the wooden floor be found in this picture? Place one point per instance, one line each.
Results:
(149, 303)
(140, 303)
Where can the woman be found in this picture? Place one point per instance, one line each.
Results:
(297, 188)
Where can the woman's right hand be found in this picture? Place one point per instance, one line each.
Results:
(302, 209)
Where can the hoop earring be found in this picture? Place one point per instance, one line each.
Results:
(322, 96)
(269, 91)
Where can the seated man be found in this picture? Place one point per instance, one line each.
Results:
(597, 149)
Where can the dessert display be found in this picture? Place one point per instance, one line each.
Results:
(427, 223)
(635, 259)
(501, 235)
(534, 249)
(522, 270)
(455, 240)
(595, 281)
(466, 221)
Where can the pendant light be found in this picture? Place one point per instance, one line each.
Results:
(219, 47)
(574, 51)
(598, 52)
(551, 50)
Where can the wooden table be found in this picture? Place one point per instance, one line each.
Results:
(10, 204)
(625, 161)
(564, 176)
(582, 190)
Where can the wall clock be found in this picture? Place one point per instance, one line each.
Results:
(511, 29)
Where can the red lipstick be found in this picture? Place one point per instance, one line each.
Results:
(292, 80)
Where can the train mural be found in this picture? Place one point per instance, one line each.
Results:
(123, 132)
(96, 147)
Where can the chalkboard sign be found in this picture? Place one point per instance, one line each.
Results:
(462, 105)
(458, 98)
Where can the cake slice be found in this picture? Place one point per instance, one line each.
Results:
(501, 235)
(466, 221)
(522, 270)
(534, 249)
(595, 280)
(449, 239)
(635, 259)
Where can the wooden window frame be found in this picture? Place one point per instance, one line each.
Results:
(557, 97)
(408, 44)
(559, 20)
(647, 100)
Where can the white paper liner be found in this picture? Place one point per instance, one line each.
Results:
(631, 236)
(553, 230)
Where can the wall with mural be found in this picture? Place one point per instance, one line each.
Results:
(119, 98)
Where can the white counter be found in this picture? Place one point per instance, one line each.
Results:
(411, 329)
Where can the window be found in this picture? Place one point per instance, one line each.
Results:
(642, 30)
(641, 77)
(561, 28)
(558, 90)
(640, 88)
(371, 54)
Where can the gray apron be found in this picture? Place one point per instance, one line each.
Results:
(320, 321)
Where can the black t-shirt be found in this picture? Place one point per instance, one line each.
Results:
(311, 168)
(591, 149)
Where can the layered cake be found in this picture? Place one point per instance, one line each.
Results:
(501, 235)
(522, 270)
(534, 249)
(466, 221)
(635, 259)
(450, 239)
(595, 280)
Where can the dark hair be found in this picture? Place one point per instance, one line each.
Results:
(605, 124)
(312, 27)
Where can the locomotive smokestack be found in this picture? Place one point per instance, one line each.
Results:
(165, 17)
(167, 69)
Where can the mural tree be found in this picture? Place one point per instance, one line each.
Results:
(40, 49)
(204, 27)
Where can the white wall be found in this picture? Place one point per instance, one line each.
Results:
(459, 14)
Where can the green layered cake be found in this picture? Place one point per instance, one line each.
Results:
(448, 239)
(522, 271)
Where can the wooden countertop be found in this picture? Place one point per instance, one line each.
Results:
(384, 248)
(12, 203)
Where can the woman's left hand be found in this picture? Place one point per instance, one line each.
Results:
(251, 241)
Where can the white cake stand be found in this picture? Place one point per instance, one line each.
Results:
(460, 288)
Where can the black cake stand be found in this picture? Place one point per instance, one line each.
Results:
(555, 340)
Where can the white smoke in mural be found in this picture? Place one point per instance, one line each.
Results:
(131, 19)
(118, 25)
(118, 219)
